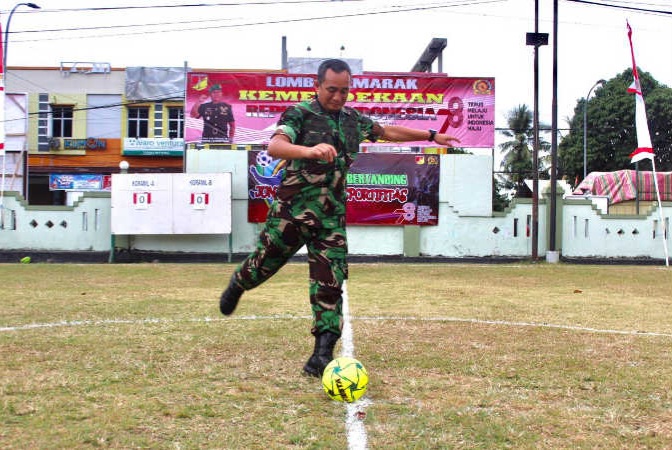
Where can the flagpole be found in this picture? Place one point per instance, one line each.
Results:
(660, 213)
(2, 134)
(644, 148)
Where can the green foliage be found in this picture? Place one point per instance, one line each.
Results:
(611, 134)
(517, 162)
(499, 200)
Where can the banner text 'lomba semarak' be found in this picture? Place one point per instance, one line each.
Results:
(463, 107)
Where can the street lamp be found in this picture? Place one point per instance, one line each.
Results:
(4, 63)
(9, 19)
(585, 124)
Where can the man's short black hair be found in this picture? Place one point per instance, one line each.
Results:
(337, 65)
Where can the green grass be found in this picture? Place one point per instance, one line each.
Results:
(466, 356)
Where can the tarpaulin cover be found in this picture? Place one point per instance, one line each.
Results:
(623, 185)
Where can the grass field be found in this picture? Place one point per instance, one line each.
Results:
(463, 356)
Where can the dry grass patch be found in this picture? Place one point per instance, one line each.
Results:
(137, 356)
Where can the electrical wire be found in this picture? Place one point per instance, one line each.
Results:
(622, 6)
(391, 10)
(395, 9)
(186, 5)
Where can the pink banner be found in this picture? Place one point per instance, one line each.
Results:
(253, 101)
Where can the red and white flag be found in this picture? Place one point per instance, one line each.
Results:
(644, 148)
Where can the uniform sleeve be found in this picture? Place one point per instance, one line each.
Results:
(370, 130)
(290, 123)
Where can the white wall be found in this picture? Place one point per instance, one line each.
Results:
(466, 184)
(587, 233)
(583, 232)
(85, 226)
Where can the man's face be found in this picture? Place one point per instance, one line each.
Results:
(333, 92)
(216, 94)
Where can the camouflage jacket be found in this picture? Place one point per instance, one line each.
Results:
(314, 189)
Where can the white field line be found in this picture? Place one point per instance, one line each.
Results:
(347, 341)
(355, 411)
(104, 322)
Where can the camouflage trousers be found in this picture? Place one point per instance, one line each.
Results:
(327, 249)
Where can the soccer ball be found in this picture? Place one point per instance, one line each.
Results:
(264, 159)
(345, 379)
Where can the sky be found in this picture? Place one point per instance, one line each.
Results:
(485, 38)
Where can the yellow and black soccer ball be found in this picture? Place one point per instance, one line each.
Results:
(345, 379)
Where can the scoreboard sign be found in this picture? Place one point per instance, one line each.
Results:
(171, 203)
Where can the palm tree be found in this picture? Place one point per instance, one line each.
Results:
(517, 157)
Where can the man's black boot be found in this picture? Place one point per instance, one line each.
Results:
(229, 299)
(322, 355)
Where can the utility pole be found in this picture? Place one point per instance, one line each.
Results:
(552, 255)
(536, 39)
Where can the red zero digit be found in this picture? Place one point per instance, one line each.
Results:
(455, 115)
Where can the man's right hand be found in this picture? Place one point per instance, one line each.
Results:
(322, 151)
(280, 147)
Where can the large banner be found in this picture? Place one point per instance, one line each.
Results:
(383, 188)
(243, 107)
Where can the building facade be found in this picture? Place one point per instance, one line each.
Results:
(70, 127)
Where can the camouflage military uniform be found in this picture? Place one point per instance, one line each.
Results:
(310, 209)
(217, 118)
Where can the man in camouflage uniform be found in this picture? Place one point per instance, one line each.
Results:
(319, 139)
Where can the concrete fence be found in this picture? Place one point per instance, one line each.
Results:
(584, 232)
(464, 231)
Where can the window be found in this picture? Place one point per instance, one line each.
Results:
(175, 122)
(138, 122)
(61, 121)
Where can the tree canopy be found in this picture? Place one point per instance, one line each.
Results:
(611, 134)
(517, 159)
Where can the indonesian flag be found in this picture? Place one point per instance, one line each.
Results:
(644, 148)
